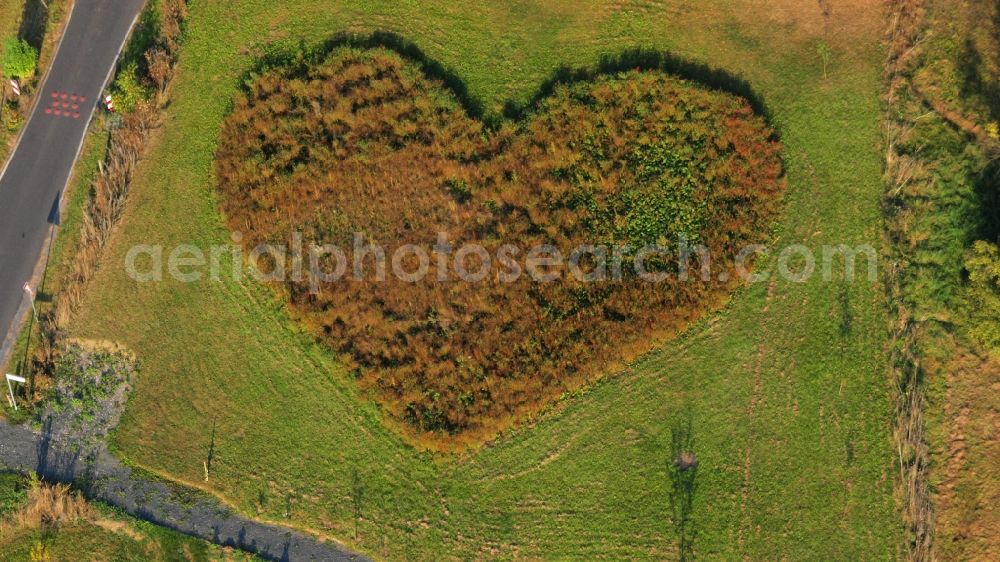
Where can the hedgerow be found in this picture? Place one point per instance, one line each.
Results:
(364, 141)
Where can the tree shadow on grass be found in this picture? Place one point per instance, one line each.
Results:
(297, 58)
(646, 60)
(974, 68)
(682, 469)
(987, 187)
(34, 21)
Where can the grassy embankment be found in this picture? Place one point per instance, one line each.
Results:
(786, 387)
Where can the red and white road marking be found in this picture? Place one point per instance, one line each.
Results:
(65, 104)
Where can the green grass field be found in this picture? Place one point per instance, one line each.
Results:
(786, 387)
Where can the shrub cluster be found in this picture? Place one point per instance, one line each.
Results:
(20, 59)
(364, 141)
(89, 394)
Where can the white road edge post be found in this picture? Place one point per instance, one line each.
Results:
(10, 388)
(31, 295)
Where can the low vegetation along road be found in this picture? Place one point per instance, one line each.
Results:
(33, 179)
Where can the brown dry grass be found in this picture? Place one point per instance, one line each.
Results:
(969, 491)
(57, 524)
(844, 23)
(48, 505)
(459, 362)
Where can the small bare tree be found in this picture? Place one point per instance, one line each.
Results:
(825, 54)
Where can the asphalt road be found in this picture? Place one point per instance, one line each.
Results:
(38, 170)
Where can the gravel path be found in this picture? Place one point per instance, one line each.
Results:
(102, 477)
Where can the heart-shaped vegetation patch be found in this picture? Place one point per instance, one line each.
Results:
(521, 261)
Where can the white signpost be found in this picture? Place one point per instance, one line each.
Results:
(15, 87)
(31, 295)
(10, 388)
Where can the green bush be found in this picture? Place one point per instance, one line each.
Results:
(128, 90)
(19, 58)
(13, 493)
(983, 265)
